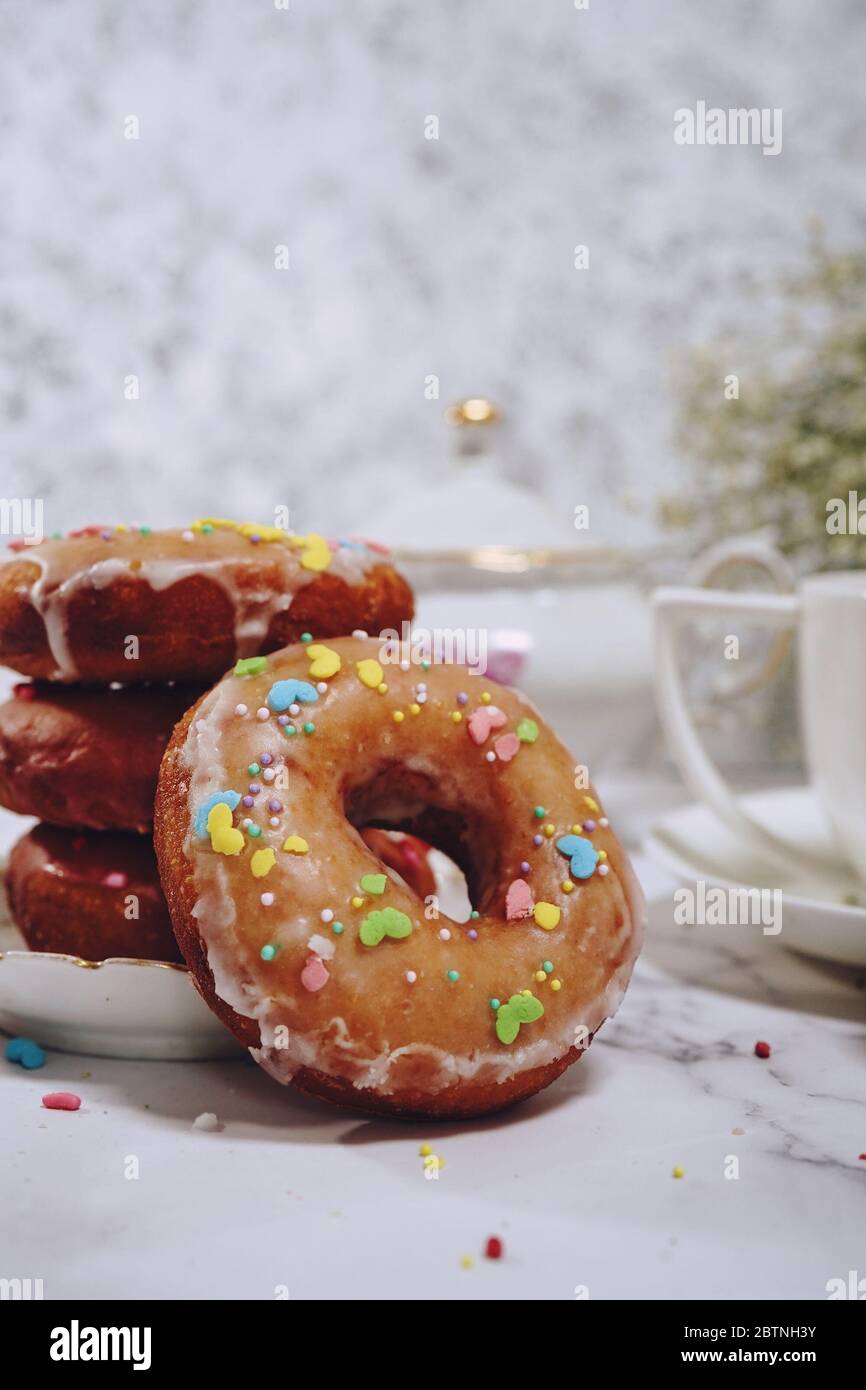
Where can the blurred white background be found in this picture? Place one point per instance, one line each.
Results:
(261, 127)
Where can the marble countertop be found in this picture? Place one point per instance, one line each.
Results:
(290, 1199)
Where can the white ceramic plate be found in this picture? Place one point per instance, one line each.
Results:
(696, 845)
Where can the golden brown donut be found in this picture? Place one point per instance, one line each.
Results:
(339, 979)
(89, 895)
(87, 758)
(114, 604)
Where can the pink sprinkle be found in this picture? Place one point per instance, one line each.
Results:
(518, 900)
(314, 975)
(507, 747)
(482, 720)
(115, 880)
(61, 1100)
(24, 691)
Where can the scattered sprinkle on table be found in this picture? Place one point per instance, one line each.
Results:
(762, 1049)
(466, 1261)
(493, 1248)
(61, 1100)
(678, 1172)
(25, 1052)
(207, 1121)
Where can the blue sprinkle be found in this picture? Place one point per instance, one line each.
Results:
(231, 799)
(26, 1052)
(291, 692)
(582, 854)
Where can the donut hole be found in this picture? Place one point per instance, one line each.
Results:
(399, 799)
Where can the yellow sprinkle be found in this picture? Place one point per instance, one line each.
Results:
(424, 1150)
(679, 1172)
(324, 662)
(555, 985)
(316, 555)
(121, 528)
(547, 915)
(577, 830)
(602, 854)
(264, 533)
(593, 805)
(382, 688)
(357, 902)
(567, 886)
(550, 831)
(466, 1261)
(456, 716)
(540, 977)
(262, 862)
(296, 844)
(398, 716)
(486, 697)
(369, 672)
(414, 709)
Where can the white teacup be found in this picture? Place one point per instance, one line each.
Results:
(829, 612)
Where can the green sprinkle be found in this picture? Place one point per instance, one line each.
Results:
(254, 831)
(251, 666)
(374, 883)
(527, 731)
(494, 1004)
(474, 915)
(547, 967)
(306, 637)
(337, 928)
(454, 976)
(288, 729)
(268, 952)
(207, 528)
(144, 530)
(309, 728)
(425, 665)
(253, 769)
(539, 813)
(57, 535)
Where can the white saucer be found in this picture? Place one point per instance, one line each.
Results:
(697, 846)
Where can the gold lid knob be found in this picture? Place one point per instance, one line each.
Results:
(476, 410)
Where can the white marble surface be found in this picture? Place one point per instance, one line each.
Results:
(578, 1182)
(409, 257)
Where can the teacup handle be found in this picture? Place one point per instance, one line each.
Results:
(671, 607)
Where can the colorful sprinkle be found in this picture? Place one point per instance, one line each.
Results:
(61, 1100)
(483, 721)
(410, 977)
(762, 1049)
(324, 662)
(520, 1009)
(267, 899)
(251, 666)
(518, 901)
(223, 836)
(374, 884)
(296, 844)
(27, 1053)
(583, 856)
(527, 731)
(493, 1250)
(309, 728)
(284, 693)
(678, 1172)
(230, 799)
(547, 915)
(315, 974)
(387, 921)
(268, 952)
(556, 985)
(337, 928)
(262, 862)
(539, 813)
(369, 672)
(453, 976)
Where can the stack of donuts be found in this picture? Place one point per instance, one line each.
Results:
(316, 940)
(119, 630)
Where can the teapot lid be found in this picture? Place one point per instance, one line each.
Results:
(469, 503)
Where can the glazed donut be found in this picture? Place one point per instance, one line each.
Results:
(89, 895)
(87, 758)
(114, 604)
(341, 980)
